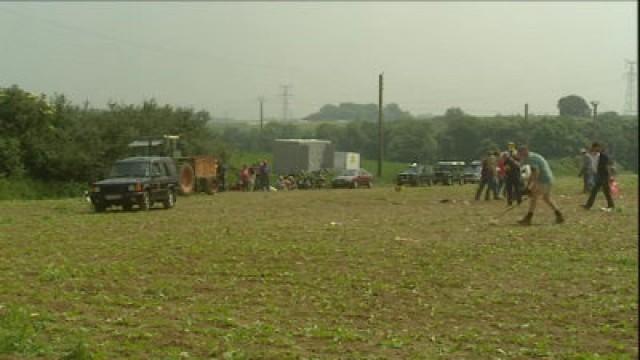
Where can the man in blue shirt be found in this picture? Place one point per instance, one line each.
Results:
(539, 184)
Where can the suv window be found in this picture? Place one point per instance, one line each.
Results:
(166, 168)
(157, 170)
(130, 169)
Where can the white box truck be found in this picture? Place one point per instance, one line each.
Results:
(346, 160)
(293, 155)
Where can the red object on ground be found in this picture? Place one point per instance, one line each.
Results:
(613, 186)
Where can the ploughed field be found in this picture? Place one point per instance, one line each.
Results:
(368, 273)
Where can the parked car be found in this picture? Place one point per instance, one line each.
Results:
(416, 175)
(473, 172)
(352, 178)
(137, 181)
(449, 173)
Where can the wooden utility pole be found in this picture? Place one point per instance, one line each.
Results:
(380, 138)
(526, 111)
(595, 110)
(261, 99)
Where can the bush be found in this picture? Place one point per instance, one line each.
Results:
(29, 189)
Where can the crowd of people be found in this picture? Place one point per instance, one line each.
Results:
(501, 176)
(256, 177)
(249, 178)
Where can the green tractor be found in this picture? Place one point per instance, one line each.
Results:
(196, 173)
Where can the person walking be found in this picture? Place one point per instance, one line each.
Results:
(587, 171)
(265, 184)
(221, 176)
(487, 178)
(484, 180)
(602, 178)
(512, 177)
(539, 184)
(244, 178)
(252, 177)
(492, 166)
(501, 174)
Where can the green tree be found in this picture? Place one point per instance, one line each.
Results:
(573, 105)
(11, 162)
(412, 140)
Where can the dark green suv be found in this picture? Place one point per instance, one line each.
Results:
(449, 173)
(137, 181)
(416, 175)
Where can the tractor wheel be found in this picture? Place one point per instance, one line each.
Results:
(187, 179)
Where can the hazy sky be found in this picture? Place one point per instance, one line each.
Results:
(486, 57)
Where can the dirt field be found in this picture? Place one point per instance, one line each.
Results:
(329, 274)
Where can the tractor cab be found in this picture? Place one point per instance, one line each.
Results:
(167, 145)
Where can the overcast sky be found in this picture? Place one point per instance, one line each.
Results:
(485, 57)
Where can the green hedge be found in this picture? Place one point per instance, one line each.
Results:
(29, 189)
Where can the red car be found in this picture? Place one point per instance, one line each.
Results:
(353, 178)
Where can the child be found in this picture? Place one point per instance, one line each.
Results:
(613, 186)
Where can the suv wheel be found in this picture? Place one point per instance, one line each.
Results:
(127, 207)
(99, 208)
(145, 202)
(171, 200)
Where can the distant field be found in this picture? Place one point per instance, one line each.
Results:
(325, 274)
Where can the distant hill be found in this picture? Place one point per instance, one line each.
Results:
(352, 111)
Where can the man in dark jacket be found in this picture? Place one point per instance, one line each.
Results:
(512, 178)
(221, 174)
(602, 178)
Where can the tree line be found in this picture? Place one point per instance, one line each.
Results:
(456, 136)
(54, 140)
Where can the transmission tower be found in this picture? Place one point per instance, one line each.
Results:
(285, 101)
(630, 101)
